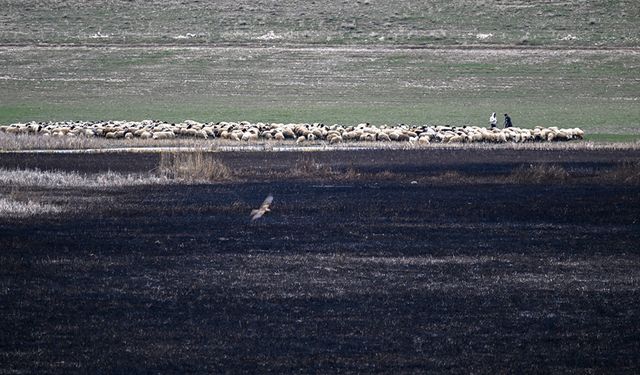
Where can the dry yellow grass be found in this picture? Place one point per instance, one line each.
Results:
(18, 209)
(193, 167)
(20, 178)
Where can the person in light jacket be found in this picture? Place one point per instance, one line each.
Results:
(493, 121)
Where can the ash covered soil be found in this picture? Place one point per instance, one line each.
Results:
(371, 275)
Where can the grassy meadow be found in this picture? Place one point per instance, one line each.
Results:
(592, 89)
(550, 63)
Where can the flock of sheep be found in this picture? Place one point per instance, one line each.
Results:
(245, 131)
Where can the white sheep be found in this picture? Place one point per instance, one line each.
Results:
(278, 131)
(167, 134)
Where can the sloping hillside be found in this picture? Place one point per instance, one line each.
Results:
(514, 22)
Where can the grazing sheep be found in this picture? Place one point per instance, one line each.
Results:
(424, 139)
(562, 136)
(318, 133)
(12, 130)
(336, 139)
(33, 128)
(288, 133)
(209, 131)
(578, 133)
(201, 134)
(410, 134)
(363, 132)
(249, 136)
(394, 135)
(164, 135)
(476, 137)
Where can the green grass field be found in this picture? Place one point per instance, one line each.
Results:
(550, 63)
(594, 90)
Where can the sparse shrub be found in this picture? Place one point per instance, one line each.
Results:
(539, 173)
(193, 166)
(386, 175)
(308, 167)
(450, 177)
(350, 174)
(626, 172)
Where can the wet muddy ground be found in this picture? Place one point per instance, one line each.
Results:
(370, 275)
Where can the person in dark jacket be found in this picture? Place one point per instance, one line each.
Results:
(507, 121)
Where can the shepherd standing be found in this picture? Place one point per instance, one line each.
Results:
(507, 121)
(493, 121)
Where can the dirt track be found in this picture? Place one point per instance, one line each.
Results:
(374, 275)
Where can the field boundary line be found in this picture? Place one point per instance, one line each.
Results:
(312, 47)
(321, 148)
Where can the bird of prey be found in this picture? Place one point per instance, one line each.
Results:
(264, 208)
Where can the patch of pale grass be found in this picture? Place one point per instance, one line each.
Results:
(18, 209)
(54, 179)
(11, 142)
(38, 142)
(193, 167)
(538, 173)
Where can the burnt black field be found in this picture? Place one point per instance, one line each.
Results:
(427, 262)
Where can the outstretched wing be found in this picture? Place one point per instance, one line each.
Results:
(266, 203)
(256, 214)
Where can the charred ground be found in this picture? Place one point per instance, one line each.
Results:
(368, 274)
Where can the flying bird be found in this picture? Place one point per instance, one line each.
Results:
(264, 208)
